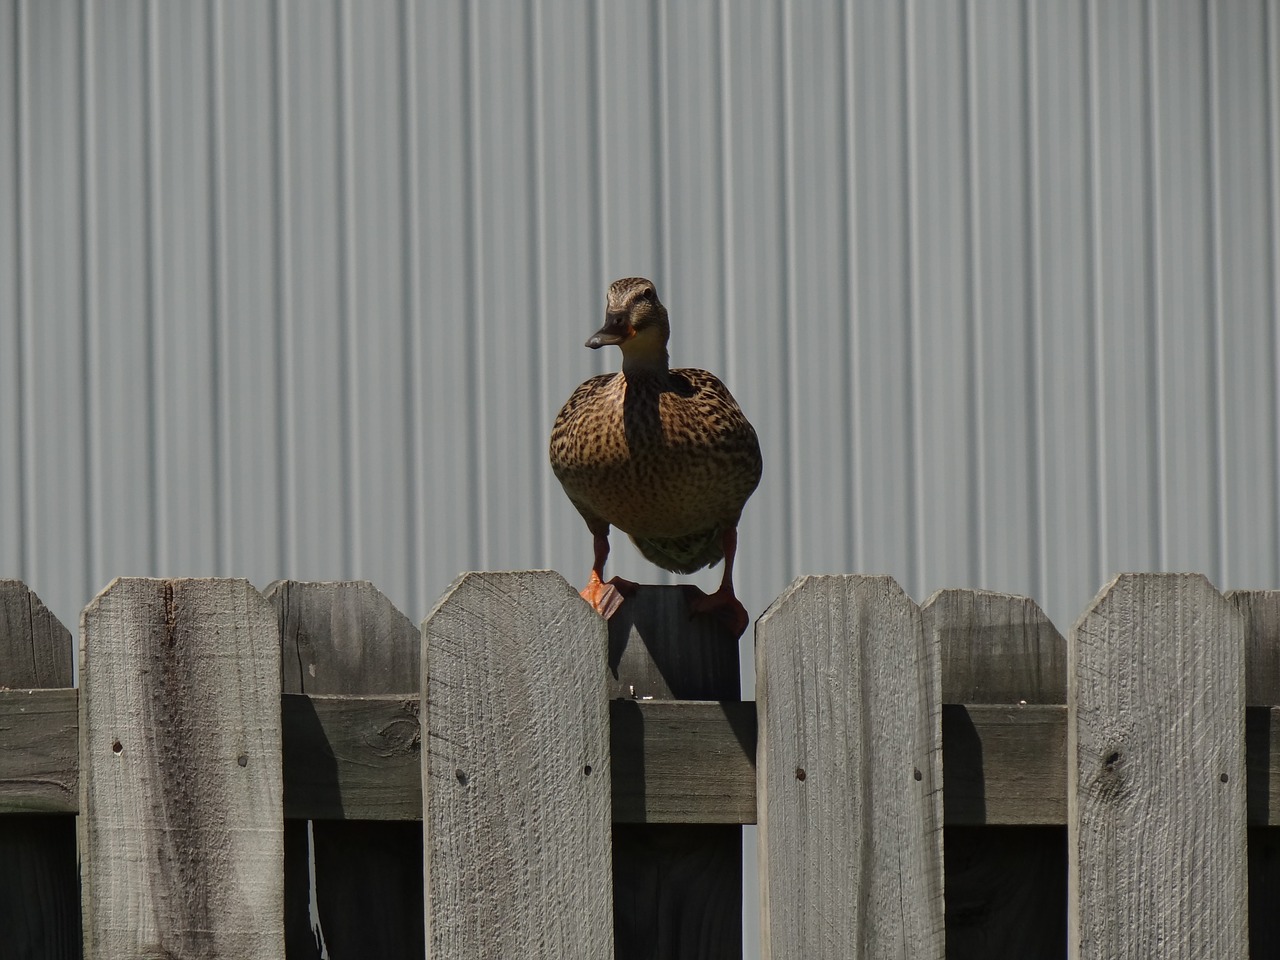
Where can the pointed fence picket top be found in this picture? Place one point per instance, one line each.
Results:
(181, 809)
(348, 638)
(1004, 692)
(344, 637)
(849, 773)
(39, 886)
(1004, 689)
(182, 759)
(1156, 772)
(516, 772)
(996, 648)
(1261, 612)
(36, 651)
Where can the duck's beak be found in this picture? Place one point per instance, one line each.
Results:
(616, 330)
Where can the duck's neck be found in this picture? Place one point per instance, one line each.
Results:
(645, 360)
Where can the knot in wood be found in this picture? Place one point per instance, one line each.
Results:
(1110, 783)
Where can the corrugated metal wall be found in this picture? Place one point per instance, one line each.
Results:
(295, 289)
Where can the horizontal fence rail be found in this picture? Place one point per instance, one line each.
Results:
(357, 758)
(246, 772)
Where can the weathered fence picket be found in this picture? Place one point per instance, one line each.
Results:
(1261, 612)
(1156, 774)
(849, 768)
(39, 886)
(516, 772)
(181, 813)
(677, 887)
(348, 638)
(195, 754)
(1004, 683)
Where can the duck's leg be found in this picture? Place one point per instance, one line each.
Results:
(723, 603)
(605, 597)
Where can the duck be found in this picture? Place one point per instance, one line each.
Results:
(664, 455)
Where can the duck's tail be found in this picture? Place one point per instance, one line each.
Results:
(685, 554)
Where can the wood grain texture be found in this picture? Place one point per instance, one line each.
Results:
(673, 761)
(516, 781)
(1261, 612)
(849, 768)
(35, 648)
(657, 650)
(39, 879)
(352, 758)
(996, 648)
(39, 752)
(677, 889)
(683, 761)
(1004, 762)
(687, 762)
(180, 787)
(1156, 783)
(1262, 748)
(343, 637)
(352, 888)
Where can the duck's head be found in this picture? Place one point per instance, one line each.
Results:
(635, 320)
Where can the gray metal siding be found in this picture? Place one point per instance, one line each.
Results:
(295, 289)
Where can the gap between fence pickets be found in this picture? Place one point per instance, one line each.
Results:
(1004, 763)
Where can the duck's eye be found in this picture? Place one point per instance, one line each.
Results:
(647, 294)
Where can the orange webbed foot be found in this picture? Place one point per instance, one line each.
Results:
(723, 605)
(606, 598)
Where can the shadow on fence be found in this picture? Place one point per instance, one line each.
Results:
(243, 775)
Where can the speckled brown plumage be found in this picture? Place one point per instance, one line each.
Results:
(668, 459)
(664, 455)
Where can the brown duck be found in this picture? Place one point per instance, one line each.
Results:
(664, 455)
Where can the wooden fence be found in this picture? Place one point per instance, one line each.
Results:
(241, 775)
